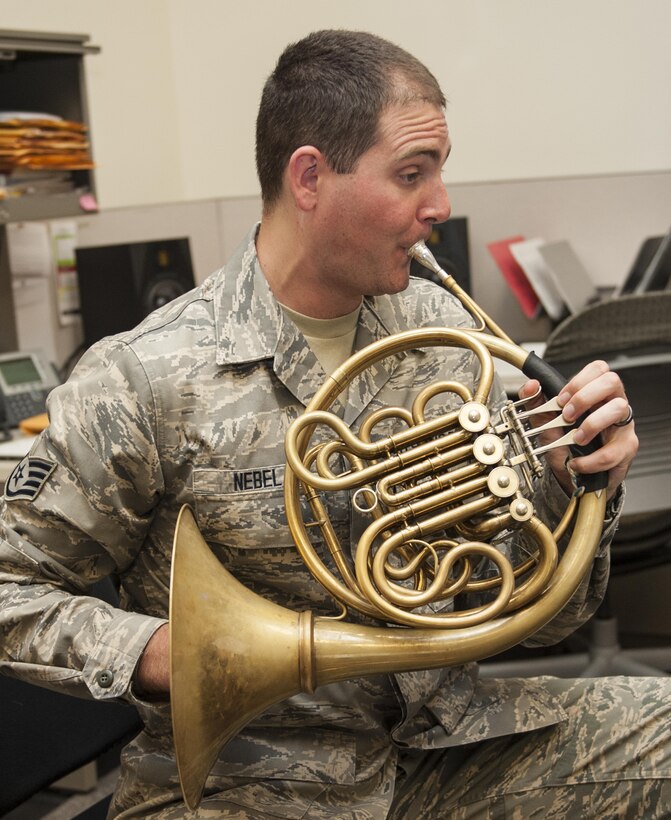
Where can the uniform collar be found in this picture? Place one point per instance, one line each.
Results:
(251, 326)
(247, 317)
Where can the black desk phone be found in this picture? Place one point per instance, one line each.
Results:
(26, 378)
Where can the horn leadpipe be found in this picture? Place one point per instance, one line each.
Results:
(423, 255)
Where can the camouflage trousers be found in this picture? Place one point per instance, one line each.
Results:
(611, 758)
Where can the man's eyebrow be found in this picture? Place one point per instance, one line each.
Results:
(431, 153)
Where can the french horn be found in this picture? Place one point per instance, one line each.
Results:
(440, 493)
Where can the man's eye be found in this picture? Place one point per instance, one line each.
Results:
(410, 177)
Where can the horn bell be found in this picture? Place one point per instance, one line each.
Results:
(217, 684)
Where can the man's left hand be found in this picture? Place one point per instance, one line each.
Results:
(598, 393)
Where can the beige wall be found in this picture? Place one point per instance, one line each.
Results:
(537, 88)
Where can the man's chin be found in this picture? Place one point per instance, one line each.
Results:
(398, 283)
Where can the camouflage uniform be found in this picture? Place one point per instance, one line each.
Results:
(192, 408)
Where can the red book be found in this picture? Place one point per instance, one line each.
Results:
(515, 276)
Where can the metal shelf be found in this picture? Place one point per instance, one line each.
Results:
(54, 206)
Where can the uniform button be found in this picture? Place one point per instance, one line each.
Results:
(105, 678)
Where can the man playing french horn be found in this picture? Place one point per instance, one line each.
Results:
(193, 408)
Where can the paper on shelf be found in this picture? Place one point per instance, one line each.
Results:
(29, 249)
(64, 238)
(540, 276)
(515, 276)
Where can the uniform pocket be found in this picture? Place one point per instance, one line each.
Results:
(248, 532)
(311, 754)
(242, 509)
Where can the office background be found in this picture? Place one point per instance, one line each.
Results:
(558, 113)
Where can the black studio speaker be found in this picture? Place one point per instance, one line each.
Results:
(121, 284)
(449, 245)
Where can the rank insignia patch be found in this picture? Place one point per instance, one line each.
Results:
(28, 478)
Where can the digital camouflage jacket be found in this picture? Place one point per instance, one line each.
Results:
(192, 407)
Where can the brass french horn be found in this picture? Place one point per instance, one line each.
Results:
(440, 492)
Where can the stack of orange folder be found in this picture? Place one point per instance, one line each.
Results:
(41, 143)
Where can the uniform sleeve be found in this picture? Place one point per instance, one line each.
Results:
(78, 509)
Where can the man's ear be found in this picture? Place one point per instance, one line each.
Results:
(303, 169)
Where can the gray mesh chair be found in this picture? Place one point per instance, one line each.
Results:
(633, 334)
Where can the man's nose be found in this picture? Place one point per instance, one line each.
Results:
(438, 207)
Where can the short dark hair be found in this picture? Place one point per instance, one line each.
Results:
(328, 90)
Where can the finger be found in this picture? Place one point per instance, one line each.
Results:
(589, 373)
(600, 419)
(598, 391)
(614, 457)
(530, 393)
(530, 390)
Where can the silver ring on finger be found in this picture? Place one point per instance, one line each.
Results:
(627, 420)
